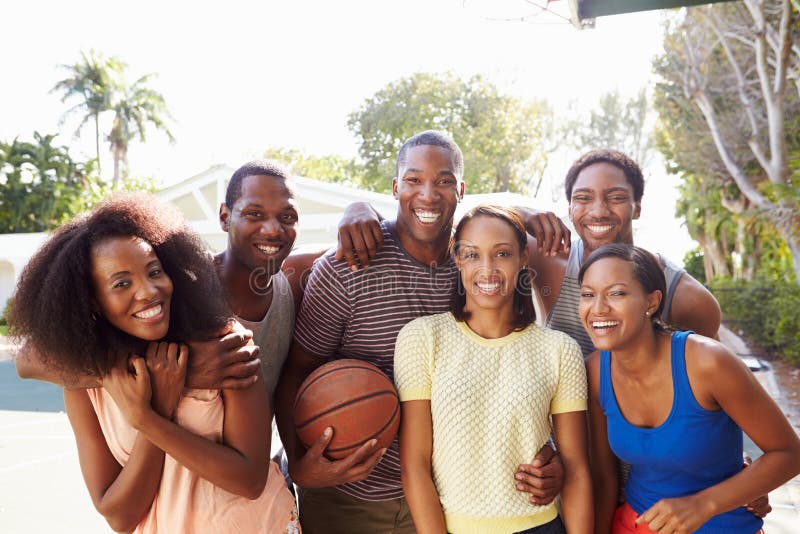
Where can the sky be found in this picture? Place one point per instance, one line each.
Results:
(240, 77)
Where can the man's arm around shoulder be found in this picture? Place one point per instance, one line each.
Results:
(30, 364)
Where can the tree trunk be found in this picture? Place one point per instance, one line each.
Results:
(717, 258)
(117, 162)
(708, 266)
(97, 142)
(751, 260)
(740, 248)
(793, 243)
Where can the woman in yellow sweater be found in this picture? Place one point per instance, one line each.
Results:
(477, 386)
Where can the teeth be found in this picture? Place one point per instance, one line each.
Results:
(488, 287)
(148, 313)
(267, 249)
(599, 229)
(604, 324)
(427, 216)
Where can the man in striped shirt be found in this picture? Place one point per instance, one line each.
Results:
(358, 314)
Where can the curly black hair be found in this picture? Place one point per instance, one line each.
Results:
(52, 307)
(633, 173)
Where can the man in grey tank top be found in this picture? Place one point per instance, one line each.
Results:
(604, 189)
(260, 217)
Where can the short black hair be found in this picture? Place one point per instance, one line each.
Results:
(647, 271)
(613, 157)
(431, 138)
(524, 311)
(258, 167)
(53, 305)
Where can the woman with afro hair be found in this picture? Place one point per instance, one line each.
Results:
(115, 293)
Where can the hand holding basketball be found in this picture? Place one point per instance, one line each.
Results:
(346, 413)
(314, 470)
(353, 397)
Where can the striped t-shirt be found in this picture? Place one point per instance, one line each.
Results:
(348, 314)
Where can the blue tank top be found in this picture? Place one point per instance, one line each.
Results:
(692, 450)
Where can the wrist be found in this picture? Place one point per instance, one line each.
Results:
(141, 418)
(164, 409)
(707, 503)
(195, 379)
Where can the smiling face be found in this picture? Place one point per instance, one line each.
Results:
(428, 190)
(132, 291)
(602, 206)
(262, 224)
(614, 307)
(489, 258)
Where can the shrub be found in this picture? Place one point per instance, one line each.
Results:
(766, 310)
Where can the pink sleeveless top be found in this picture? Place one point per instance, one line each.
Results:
(185, 502)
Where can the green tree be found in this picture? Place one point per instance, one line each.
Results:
(330, 168)
(503, 138)
(620, 124)
(92, 81)
(41, 186)
(100, 85)
(134, 107)
(735, 63)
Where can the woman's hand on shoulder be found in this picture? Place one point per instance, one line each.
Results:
(166, 363)
(130, 390)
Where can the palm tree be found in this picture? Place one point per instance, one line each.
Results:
(93, 80)
(135, 105)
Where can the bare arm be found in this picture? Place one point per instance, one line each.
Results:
(297, 267)
(602, 460)
(30, 365)
(239, 464)
(570, 430)
(718, 377)
(123, 495)
(360, 235)
(309, 468)
(416, 447)
(695, 308)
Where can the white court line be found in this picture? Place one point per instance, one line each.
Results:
(32, 423)
(37, 437)
(46, 459)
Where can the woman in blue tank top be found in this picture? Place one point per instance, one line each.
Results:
(673, 405)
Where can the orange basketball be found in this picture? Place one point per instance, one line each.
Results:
(353, 397)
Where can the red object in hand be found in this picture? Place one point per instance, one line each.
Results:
(355, 398)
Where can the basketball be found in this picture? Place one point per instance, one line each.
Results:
(353, 397)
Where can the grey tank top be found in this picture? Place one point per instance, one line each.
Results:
(564, 315)
(273, 333)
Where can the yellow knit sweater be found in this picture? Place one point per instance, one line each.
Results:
(490, 402)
